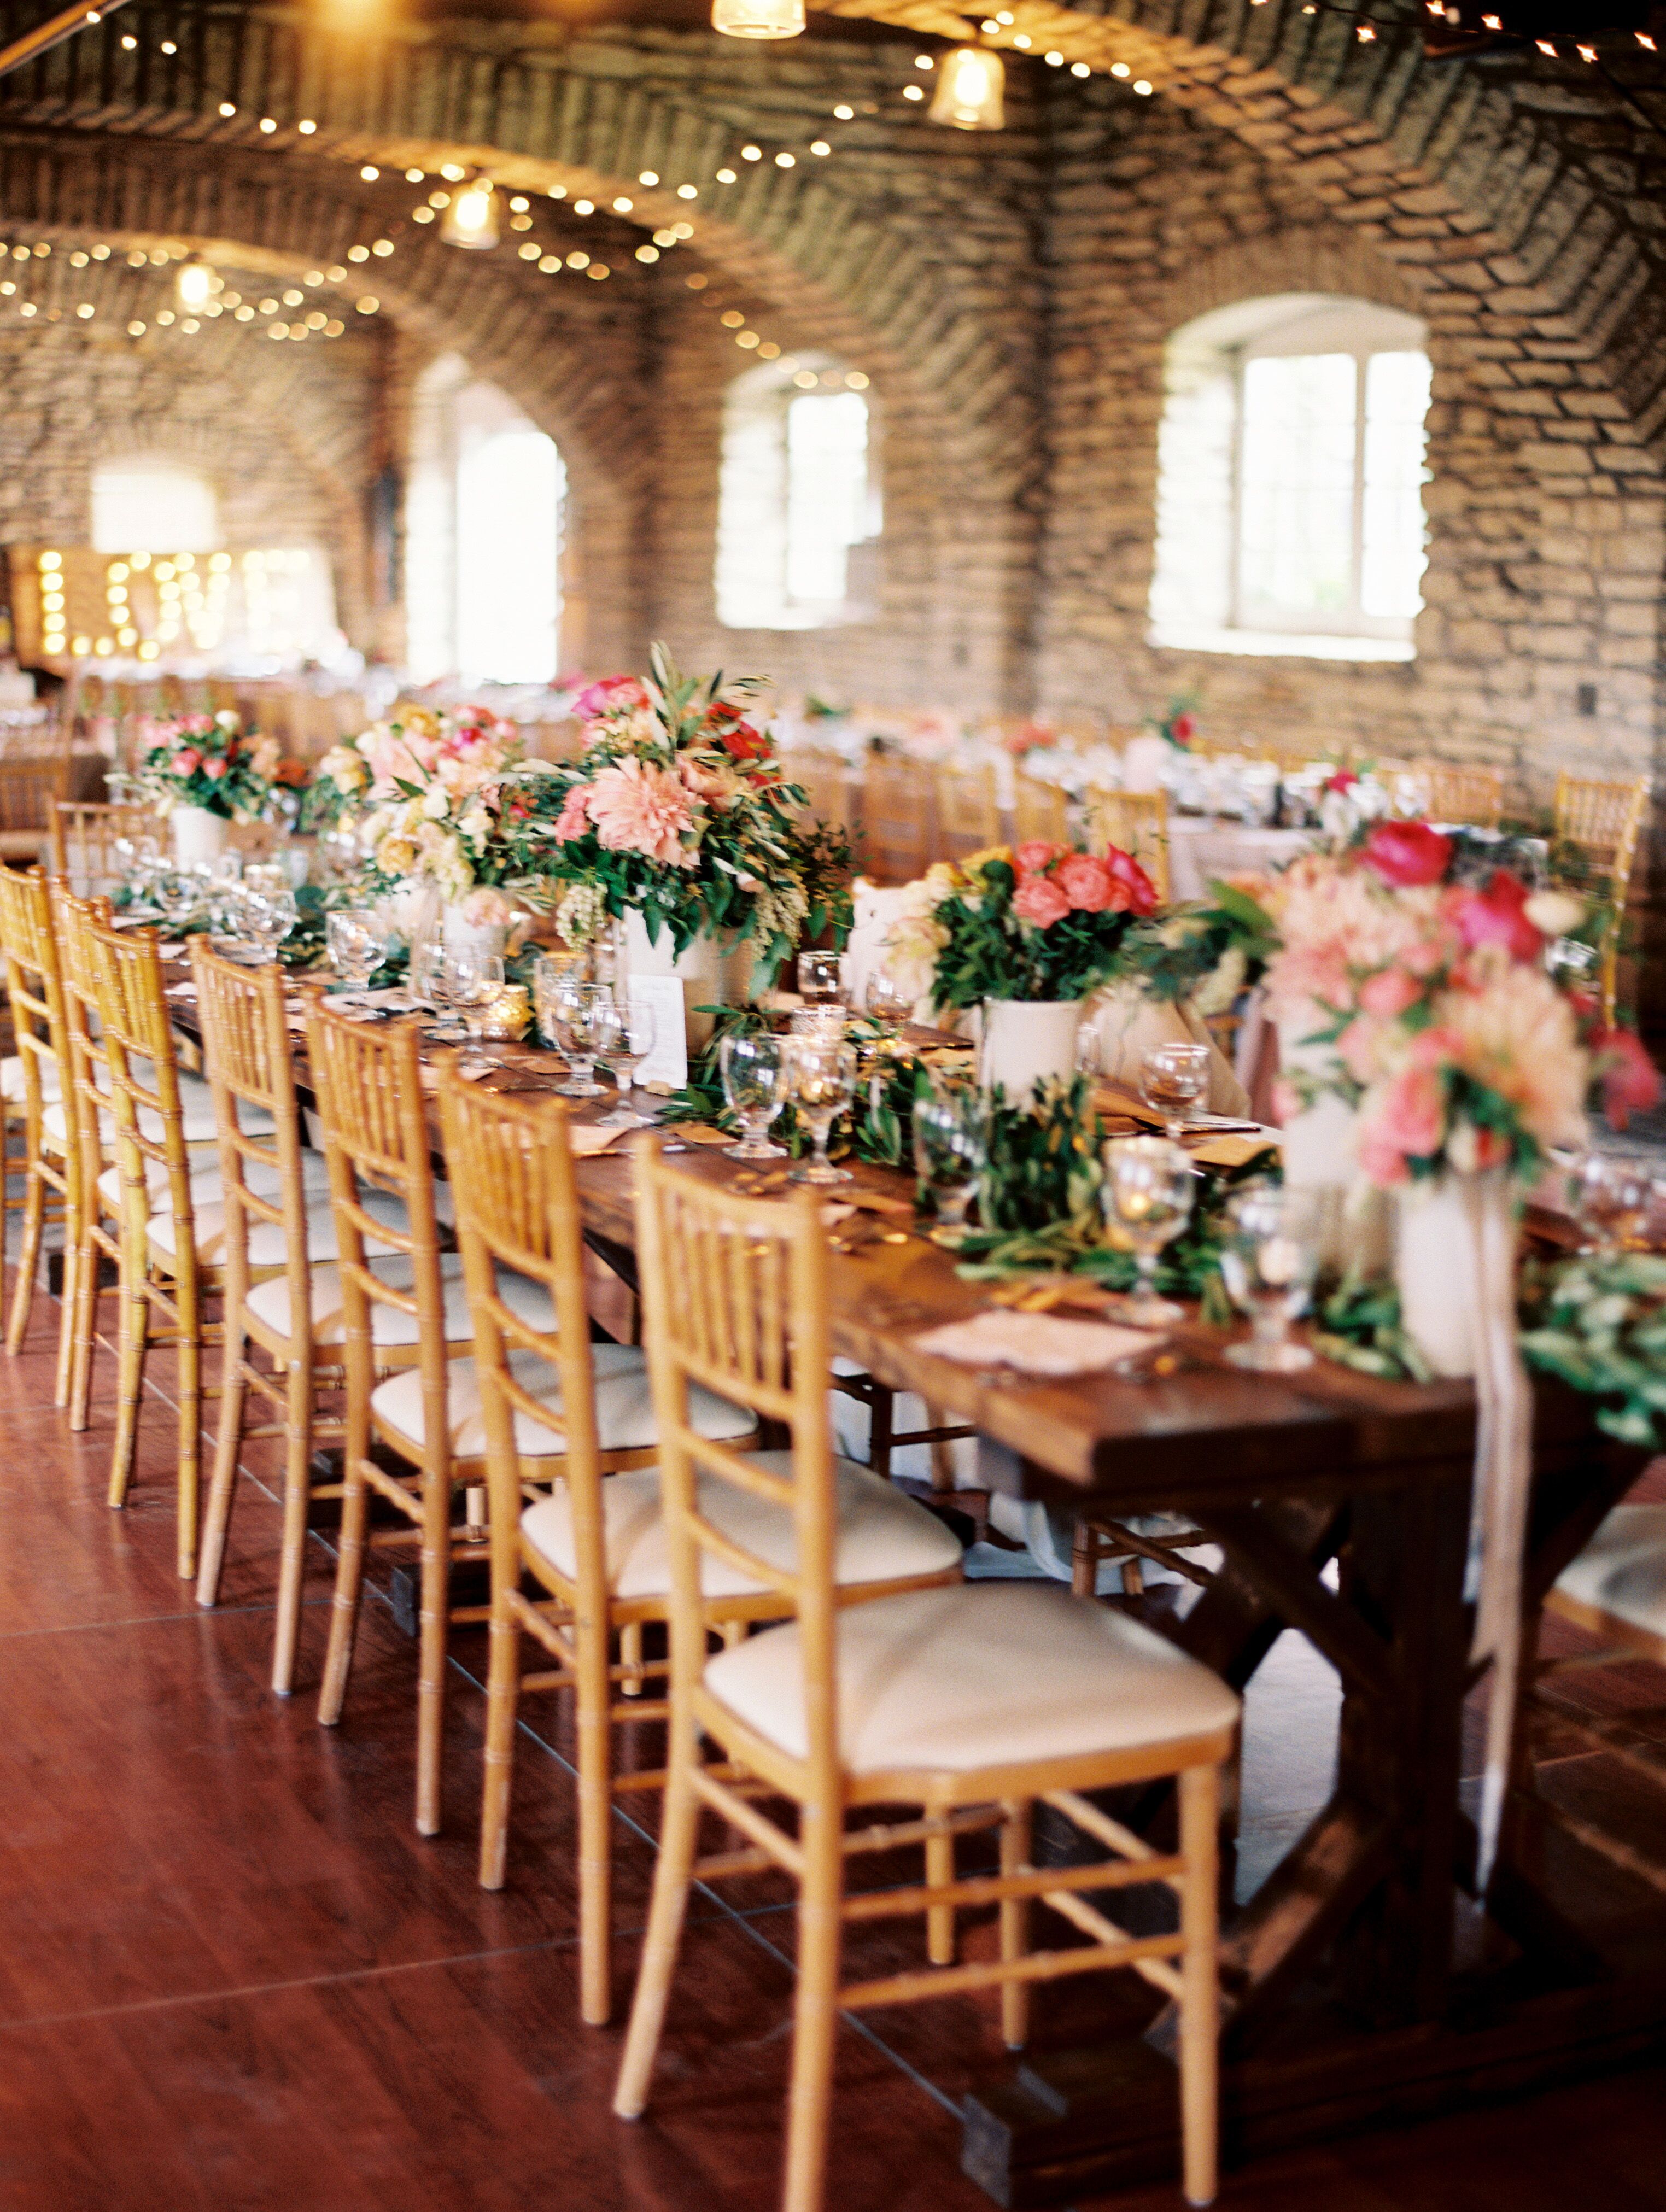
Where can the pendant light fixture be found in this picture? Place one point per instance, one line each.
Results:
(193, 288)
(471, 218)
(759, 19)
(970, 83)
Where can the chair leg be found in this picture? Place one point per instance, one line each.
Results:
(433, 1625)
(292, 1560)
(502, 1697)
(189, 1479)
(1200, 2055)
(87, 1259)
(678, 1828)
(630, 1654)
(66, 1316)
(815, 2015)
(130, 1383)
(28, 1259)
(222, 1480)
(940, 1918)
(349, 1584)
(1014, 1927)
(595, 1748)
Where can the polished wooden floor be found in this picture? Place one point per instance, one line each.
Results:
(232, 1977)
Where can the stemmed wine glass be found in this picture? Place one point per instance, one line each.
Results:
(1612, 1196)
(424, 976)
(623, 1033)
(822, 1077)
(174, 894)
(474, 980)
(1267, 1263)
(354, 937)
(1173, 1078)
(269, 916)
(755, 1083)
(889, 1003)
(1147, 1195)
(819, 984)
(572, 1011)
(951, 1143)
(551, 972)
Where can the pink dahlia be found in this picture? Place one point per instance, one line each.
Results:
(638, 808)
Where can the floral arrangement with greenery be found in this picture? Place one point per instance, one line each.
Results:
(678, 810)
(1179, 725)
(1203, 956)
(1461, 1053)
(426, 793)
(1036, 923)
(209, 761)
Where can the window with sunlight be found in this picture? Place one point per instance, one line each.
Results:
(154, 507)
(1291, 474)
(797, 497)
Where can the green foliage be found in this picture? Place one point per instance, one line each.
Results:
(989, 951)
(1358, 1325)
(1042, 1163)
(1230, 941)
(1598, 1321)
(880, 1126)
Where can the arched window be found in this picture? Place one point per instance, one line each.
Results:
(797, 496)
(153, 506)
(483, 534)
(1289, 480)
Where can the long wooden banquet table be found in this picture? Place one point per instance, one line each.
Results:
(1356, 1989)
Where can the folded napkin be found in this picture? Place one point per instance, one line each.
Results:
(697, 1133)
(1039, 1344)
(588, 1139)
(1234, 1151)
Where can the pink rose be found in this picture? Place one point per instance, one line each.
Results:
(187, 760)
(1631, 1082)
(1039, 900)
(1496, 916)
(574, 820)
(214, 769)
(609, 695)
(1405, 853)
(1390, 993)
(1357, 1048)
(1088, 884)
(1139, 892)
(1409, 1124)
(1034, 857)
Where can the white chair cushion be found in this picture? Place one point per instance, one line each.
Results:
(196, 1113)
(270, 1303)
(264, 1181)
(1622, 1570)
(625, 1404)
(979, 1674)
(268, 1246)
(883, 1535)
(11, 1080)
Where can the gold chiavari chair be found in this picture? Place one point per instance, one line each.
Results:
(369, 1087)
(33, 1081)
(1471, 796)
(825, 782)
(86, 839)
(970, 1702)
(31, 786)
(1040, 811)
(81, 1120)
(267, 1226)
(899, 831)
(1137, 821)
(967, 811)
(1602, 823)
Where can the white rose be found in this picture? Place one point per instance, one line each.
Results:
(1554, 914)
(437, 804)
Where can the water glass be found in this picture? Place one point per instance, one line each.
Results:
(623, 1033)
(951, 1144)
(269, 916)
(1147, 1192)
(424, 975)
(754, 1069)
(888, 1002)
(818, 979)
(821, 1073)
(1613, 1199)
(472, 979)
(552, 972)
(1267, 1263)
(353, 936)
(175, 892)
(1173, 1079)
(572, 1013)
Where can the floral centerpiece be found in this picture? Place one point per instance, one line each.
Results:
(678, 820)
(204, 772)
(1026, 934)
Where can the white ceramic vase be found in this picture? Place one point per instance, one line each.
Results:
(488, 939)
(1438, 1228)
(712, 973)
(1320, 1148)
(1148, 762)
(199, 835)
(1027, 1041)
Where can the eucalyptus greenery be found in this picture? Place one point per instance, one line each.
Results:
(1598, 1321)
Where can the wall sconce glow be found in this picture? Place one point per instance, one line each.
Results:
(759, 19)
(969, 88)
(471, 218)
(194, 285)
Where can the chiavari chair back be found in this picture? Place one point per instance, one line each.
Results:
(1601, 824)
(31, 787)
(899, 830)
(1471, 796)
(825, 783)
(34, 1080)
(915, 1698)
(83, 1119)
(85, 841)
(164, 1292)
(1040, 811)
(394, 1295)
(967, 811)
(1136, 821)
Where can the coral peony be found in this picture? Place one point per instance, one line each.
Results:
(638, 808)
(1088, 884)
(1035, 857)
(187, 761)
(214, 769)
(1039, 900)
(1392, 991)
(1139, 893)
(1407, 854)
(1498, 915)
(609, 695)
(1403, 1121)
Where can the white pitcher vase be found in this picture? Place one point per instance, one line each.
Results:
(199, 835)
(713, 972)
(1027, 1041)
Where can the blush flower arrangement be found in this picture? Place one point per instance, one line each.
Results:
(209, 761)
(426, 794)
(678, 808)
(1036, 923)
(1445, 1030)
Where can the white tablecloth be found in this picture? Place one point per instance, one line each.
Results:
(1200, 850)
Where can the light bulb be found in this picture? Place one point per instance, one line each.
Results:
(759, 19)
(970, 87)
(194, 286)
(471, 218)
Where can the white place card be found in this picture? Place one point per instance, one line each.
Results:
(662, 996)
